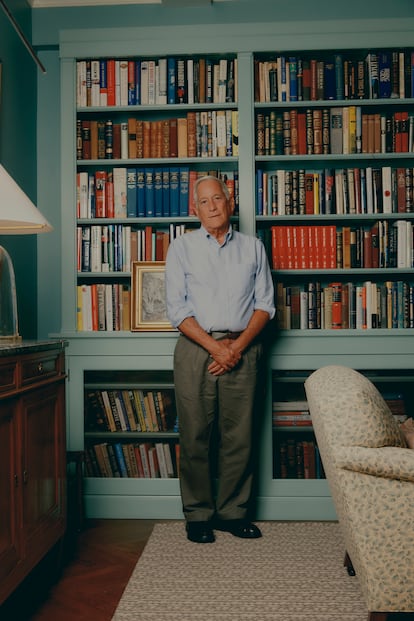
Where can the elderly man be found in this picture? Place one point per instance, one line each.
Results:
(220, 296)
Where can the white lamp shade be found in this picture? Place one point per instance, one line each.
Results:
(18, 215)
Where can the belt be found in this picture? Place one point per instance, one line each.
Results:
(220, 335)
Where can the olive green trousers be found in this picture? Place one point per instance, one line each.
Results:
(215, 477)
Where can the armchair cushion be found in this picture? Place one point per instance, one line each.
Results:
(388, 462)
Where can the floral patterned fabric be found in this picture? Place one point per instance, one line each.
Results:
(370, 472)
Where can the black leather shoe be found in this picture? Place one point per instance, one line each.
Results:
(240, 528)
(200, 532)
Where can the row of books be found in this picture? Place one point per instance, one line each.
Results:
(345, 305)
(130, 410)
(340, 130)
(142, 81)
(212, 133)
(387, 74)
(113, 247)
(296, 458)
(103, 307)
(149, 460)
(291, 414)
(384, 244)
(147, 192)
(335, 191)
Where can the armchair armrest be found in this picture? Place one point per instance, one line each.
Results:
(389, 462)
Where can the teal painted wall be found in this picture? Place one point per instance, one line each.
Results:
(47, 25)
(18, 151)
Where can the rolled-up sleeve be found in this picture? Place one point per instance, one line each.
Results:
(178, 307)
(264, 288)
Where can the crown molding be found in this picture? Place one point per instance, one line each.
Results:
(55, 4)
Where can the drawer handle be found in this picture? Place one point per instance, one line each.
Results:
(40, 367)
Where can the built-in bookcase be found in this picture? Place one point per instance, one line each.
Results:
(308, 198)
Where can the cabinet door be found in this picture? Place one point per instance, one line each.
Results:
(10, 545)
(43, 468)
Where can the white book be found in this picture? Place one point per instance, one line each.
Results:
(190, 81)
(221, 133)
(120, 192)
(81, 83)
(144, 82)
(83, 191)
(222, 80)
(96, 248)
(123, 82)
(161, 460)
(95, 84)
(109, 311)
(161, 81)
(126, 246)
(386, 189)
(281, 205)
(168, 460)
(86, 308)
(124, 141)
(151, 82)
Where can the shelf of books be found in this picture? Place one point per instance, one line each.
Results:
(334, 186)
(145, 129)
(295, 451)
(315, 138)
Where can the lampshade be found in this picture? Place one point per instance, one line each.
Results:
(18, 216)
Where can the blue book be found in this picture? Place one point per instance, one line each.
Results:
(165, 192)
(293, 78)
(171, 86)
(158, 211)
(120, 459)
(174, 191)
(131, 192)
(103, 83)
(141, 192)
(137, 82)
(149, 193)
(184, 187)
(339, 76)
(384, 70)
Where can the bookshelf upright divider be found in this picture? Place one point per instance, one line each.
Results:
(120, 359)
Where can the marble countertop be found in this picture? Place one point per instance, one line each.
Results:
(12, 348)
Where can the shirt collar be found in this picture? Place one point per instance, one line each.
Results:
(229, 233)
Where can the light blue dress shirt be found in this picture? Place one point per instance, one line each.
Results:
(219, 285)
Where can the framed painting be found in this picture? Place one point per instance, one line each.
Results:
(148, 307)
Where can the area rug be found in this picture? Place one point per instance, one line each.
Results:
(293, 573)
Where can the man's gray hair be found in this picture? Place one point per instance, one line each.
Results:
(222, 183)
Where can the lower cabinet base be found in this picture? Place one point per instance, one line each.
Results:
(169, 507)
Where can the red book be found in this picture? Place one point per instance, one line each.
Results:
(309, 194)
(336, 305)
(148, 243)
(101, 178)
(110, 81)
(301, 133)
(110, 203)
(401, 207)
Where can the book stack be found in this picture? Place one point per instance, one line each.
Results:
(376, 75)
(141, 81)
(132, 460)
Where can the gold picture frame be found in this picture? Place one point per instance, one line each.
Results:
(149, 308)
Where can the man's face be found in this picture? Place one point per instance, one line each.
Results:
(213, 209)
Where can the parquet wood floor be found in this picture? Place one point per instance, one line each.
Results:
(97, 568)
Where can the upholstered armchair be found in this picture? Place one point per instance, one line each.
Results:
(370, 472)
